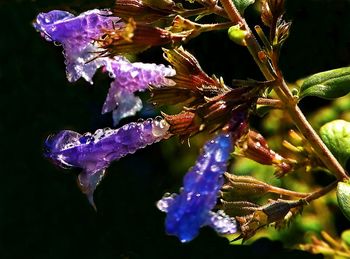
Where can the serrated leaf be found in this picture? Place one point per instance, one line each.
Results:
(343, 196)
(241, 5)
(328, 85)
(336, 135)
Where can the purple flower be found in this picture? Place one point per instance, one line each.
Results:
(191, 209)
(78, 36)
(129, 78)
(94, 152)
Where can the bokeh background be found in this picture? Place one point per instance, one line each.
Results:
(42, 212)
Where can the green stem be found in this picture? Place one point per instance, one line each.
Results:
(286, 96)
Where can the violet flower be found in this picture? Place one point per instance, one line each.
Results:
(129, 78)
(78, 36)
(191, 209)
(93, 153)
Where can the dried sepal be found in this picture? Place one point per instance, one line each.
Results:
(183, 124)
(212, 105)
(136, 37)
(237, 188)
(145, 11)
(237, 208)
(282, 31)
(289, 218)
(217, 111)
(271, 10)
(254, 146)
(189, 73)
(273, 212)
(272, 16)
(174, 95)
(181, 24)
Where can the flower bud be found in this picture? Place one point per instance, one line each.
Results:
(255, 147)
(237, 35)
(239, 188)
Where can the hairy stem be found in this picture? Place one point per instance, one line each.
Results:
(277, 104)
(281, 191)
(319, 193)
(286, 96)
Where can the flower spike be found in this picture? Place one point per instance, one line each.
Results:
(191, 209)
(93, 153)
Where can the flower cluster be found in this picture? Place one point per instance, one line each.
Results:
(80, 37)
(98, 39)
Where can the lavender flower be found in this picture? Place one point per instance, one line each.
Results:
(94, 152)
(191, 209)
(129, 78)
(78, 35)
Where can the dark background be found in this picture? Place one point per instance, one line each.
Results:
(42, 212)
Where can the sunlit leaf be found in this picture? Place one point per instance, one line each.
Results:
(343, 196)
(336, 135)
(328, 85)
(243, 4)
(345, 236)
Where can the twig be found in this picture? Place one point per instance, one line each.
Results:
(286, 96)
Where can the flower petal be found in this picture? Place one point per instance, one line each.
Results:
(94, 152)
(191, 209)
(222, 223)
(129, 78)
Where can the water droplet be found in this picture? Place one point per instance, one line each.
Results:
(165, 202)
(57, 43)
(219, 156)
(158, 118)
(214, 168)
(125, 127)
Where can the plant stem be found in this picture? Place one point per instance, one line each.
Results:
(281, 191)
(286, 96)
(319, 193)
(277, 104)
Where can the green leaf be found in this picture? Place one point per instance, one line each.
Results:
(262, 110)
(328, 85)
(345, 236)
(336, 135)
(241, 5)
(343, 196)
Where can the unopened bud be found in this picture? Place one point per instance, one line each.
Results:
(255, 147)
(243, 187)
(237, 35)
